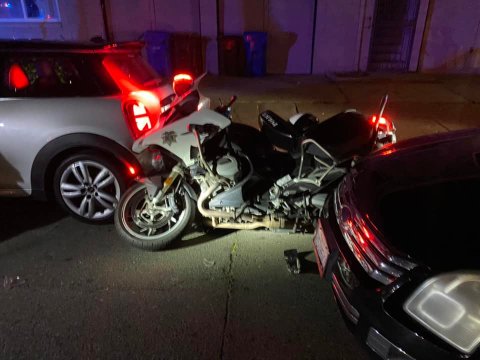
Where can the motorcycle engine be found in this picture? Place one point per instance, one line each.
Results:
(227, 166)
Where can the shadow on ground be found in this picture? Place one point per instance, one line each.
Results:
(18, 215)
(307, 262)
(199, 236)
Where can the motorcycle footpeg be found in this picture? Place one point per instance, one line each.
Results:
(293, 261)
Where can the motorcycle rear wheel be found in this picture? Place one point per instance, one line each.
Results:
(155, 227)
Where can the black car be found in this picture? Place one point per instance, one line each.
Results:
(399, 239)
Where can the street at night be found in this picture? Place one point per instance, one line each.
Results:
(85, 294)
(81, 292)
(239, 179)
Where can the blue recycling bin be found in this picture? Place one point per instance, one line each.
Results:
(157, 46)
(255, 52)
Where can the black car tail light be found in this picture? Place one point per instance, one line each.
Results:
(374, 256)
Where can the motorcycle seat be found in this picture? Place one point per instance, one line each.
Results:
(279, 132)
(343, 135)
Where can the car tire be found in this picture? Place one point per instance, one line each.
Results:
(88, 185)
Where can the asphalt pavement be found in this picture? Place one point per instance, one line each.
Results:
(69, 290)
(75, 291)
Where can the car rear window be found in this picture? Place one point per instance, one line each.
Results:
(134, 69)
(55, 75)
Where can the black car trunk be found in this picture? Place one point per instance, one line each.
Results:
(423, 195)
(437, 224)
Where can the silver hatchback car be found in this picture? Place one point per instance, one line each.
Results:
(69, 114)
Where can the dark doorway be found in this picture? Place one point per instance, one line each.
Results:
(392, 36)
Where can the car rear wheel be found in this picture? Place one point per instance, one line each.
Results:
(89, 186)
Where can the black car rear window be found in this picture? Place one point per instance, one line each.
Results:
(436, 223)
(54, 75)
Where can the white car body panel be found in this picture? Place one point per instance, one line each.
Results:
(28, 124)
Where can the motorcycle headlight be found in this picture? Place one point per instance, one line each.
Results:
(449, 306)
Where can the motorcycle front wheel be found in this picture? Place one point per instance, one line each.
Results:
(153, 227)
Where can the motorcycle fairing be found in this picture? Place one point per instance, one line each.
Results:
(176, 138)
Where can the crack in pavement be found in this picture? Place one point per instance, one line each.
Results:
(230, 281)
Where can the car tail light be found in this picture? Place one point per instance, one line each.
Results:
(142, 111)
(16, 77)
(374, 256)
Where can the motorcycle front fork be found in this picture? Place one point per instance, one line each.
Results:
(156, 190)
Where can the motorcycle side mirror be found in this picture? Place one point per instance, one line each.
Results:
(182, 83)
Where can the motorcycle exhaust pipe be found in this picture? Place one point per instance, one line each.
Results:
(267, 222)
(207, 212)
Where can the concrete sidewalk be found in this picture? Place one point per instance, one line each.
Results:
(418, 103)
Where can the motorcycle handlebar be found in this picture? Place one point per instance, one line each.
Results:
(232, 100)
(226, 109)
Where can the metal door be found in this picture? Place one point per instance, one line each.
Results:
(392, 37)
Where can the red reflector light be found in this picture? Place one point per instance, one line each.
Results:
(17, 77)
(132, 170)
(180, 77)
(382, 121)
(182, 83)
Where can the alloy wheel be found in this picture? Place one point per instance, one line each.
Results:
(90, 189)
(145, 220)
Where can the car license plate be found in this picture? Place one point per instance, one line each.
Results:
(321, 248)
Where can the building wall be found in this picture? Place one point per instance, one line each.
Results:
(80, 20)
(289, 25)
(452, 37)
(131, 19)
(237, 16)
(449, 42)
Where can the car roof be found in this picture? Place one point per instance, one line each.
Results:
(15, 46)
